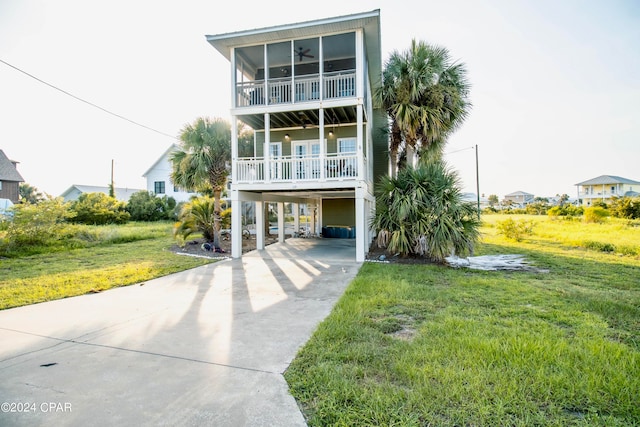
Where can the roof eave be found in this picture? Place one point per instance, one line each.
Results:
(369, 21)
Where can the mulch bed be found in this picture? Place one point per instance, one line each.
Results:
(194, 247)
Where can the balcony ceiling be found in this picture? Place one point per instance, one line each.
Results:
(296, 119)
(369, 21)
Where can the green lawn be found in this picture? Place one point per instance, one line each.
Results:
(122, 255)
(426, 345)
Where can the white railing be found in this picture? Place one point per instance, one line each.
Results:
(294, 168)
(307, 88)
(337, 84)
(279, 90)
(250, 93)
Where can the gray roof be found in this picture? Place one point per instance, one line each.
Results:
(121, 193)
(608, 179)
(8, 171)
(519, 193)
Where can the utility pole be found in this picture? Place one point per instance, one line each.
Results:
(477, 181)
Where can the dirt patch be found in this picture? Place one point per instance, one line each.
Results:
(486, 262)
(194, 247)
(381, 255)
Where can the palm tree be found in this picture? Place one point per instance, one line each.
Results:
(421, 213)
(29, 194)
(425, 96)
(202, 161)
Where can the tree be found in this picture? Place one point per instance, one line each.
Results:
(421, 212)
(425, 96)
(202, 161)
(493, 200)
(29, 194)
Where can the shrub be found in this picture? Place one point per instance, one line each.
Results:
(566, 210)
(196, 215)
(421, 212)
(626, 207)
(595, 214)
(146, 206)
(99, 209)
(39, 224)
(599, 246)
(515, 230)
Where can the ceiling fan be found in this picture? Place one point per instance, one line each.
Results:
(302, 53)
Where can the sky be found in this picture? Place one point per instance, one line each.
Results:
(555, 84)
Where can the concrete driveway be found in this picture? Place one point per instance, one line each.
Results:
(206, 346)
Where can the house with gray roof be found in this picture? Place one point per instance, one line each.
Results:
(10, 179)
(520, 198)
(606, 187)
(73, 192)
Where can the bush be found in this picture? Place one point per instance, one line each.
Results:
(196, 215)
(595, 214)
(599, 246)
(39, 224)
(515, 230)
(421, 212)
(626, 207)
(566, 210)
(536, 208)
(146, 206)
(99, 209)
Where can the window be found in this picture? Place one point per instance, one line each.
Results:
(158, 187)
(346, 145)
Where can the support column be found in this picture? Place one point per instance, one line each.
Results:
(236, 224)
(260, 225)
(296, 217)
(361, 226)
(281, 222)
(267, 147)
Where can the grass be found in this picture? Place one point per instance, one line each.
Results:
(113, 256)
(412, 345)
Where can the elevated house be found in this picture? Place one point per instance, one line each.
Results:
(520, 198)
(10, 179)
(605, 188)
(306, 91)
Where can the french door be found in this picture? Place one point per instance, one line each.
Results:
(306, 158)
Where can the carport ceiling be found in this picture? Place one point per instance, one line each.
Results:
(300, 118)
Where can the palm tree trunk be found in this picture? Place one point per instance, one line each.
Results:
(217, 193)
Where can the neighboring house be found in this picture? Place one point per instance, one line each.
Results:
(473, 198)
(10, 179)
(519, 198)
(73, 192)
(159, 178)
(306, 91)
(606, 187)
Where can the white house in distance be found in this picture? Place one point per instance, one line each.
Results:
(122, 194)
(606, 187)
(306, 91)
(159, 178)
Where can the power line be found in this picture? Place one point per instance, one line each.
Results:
(461, 149)
(87, 102)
